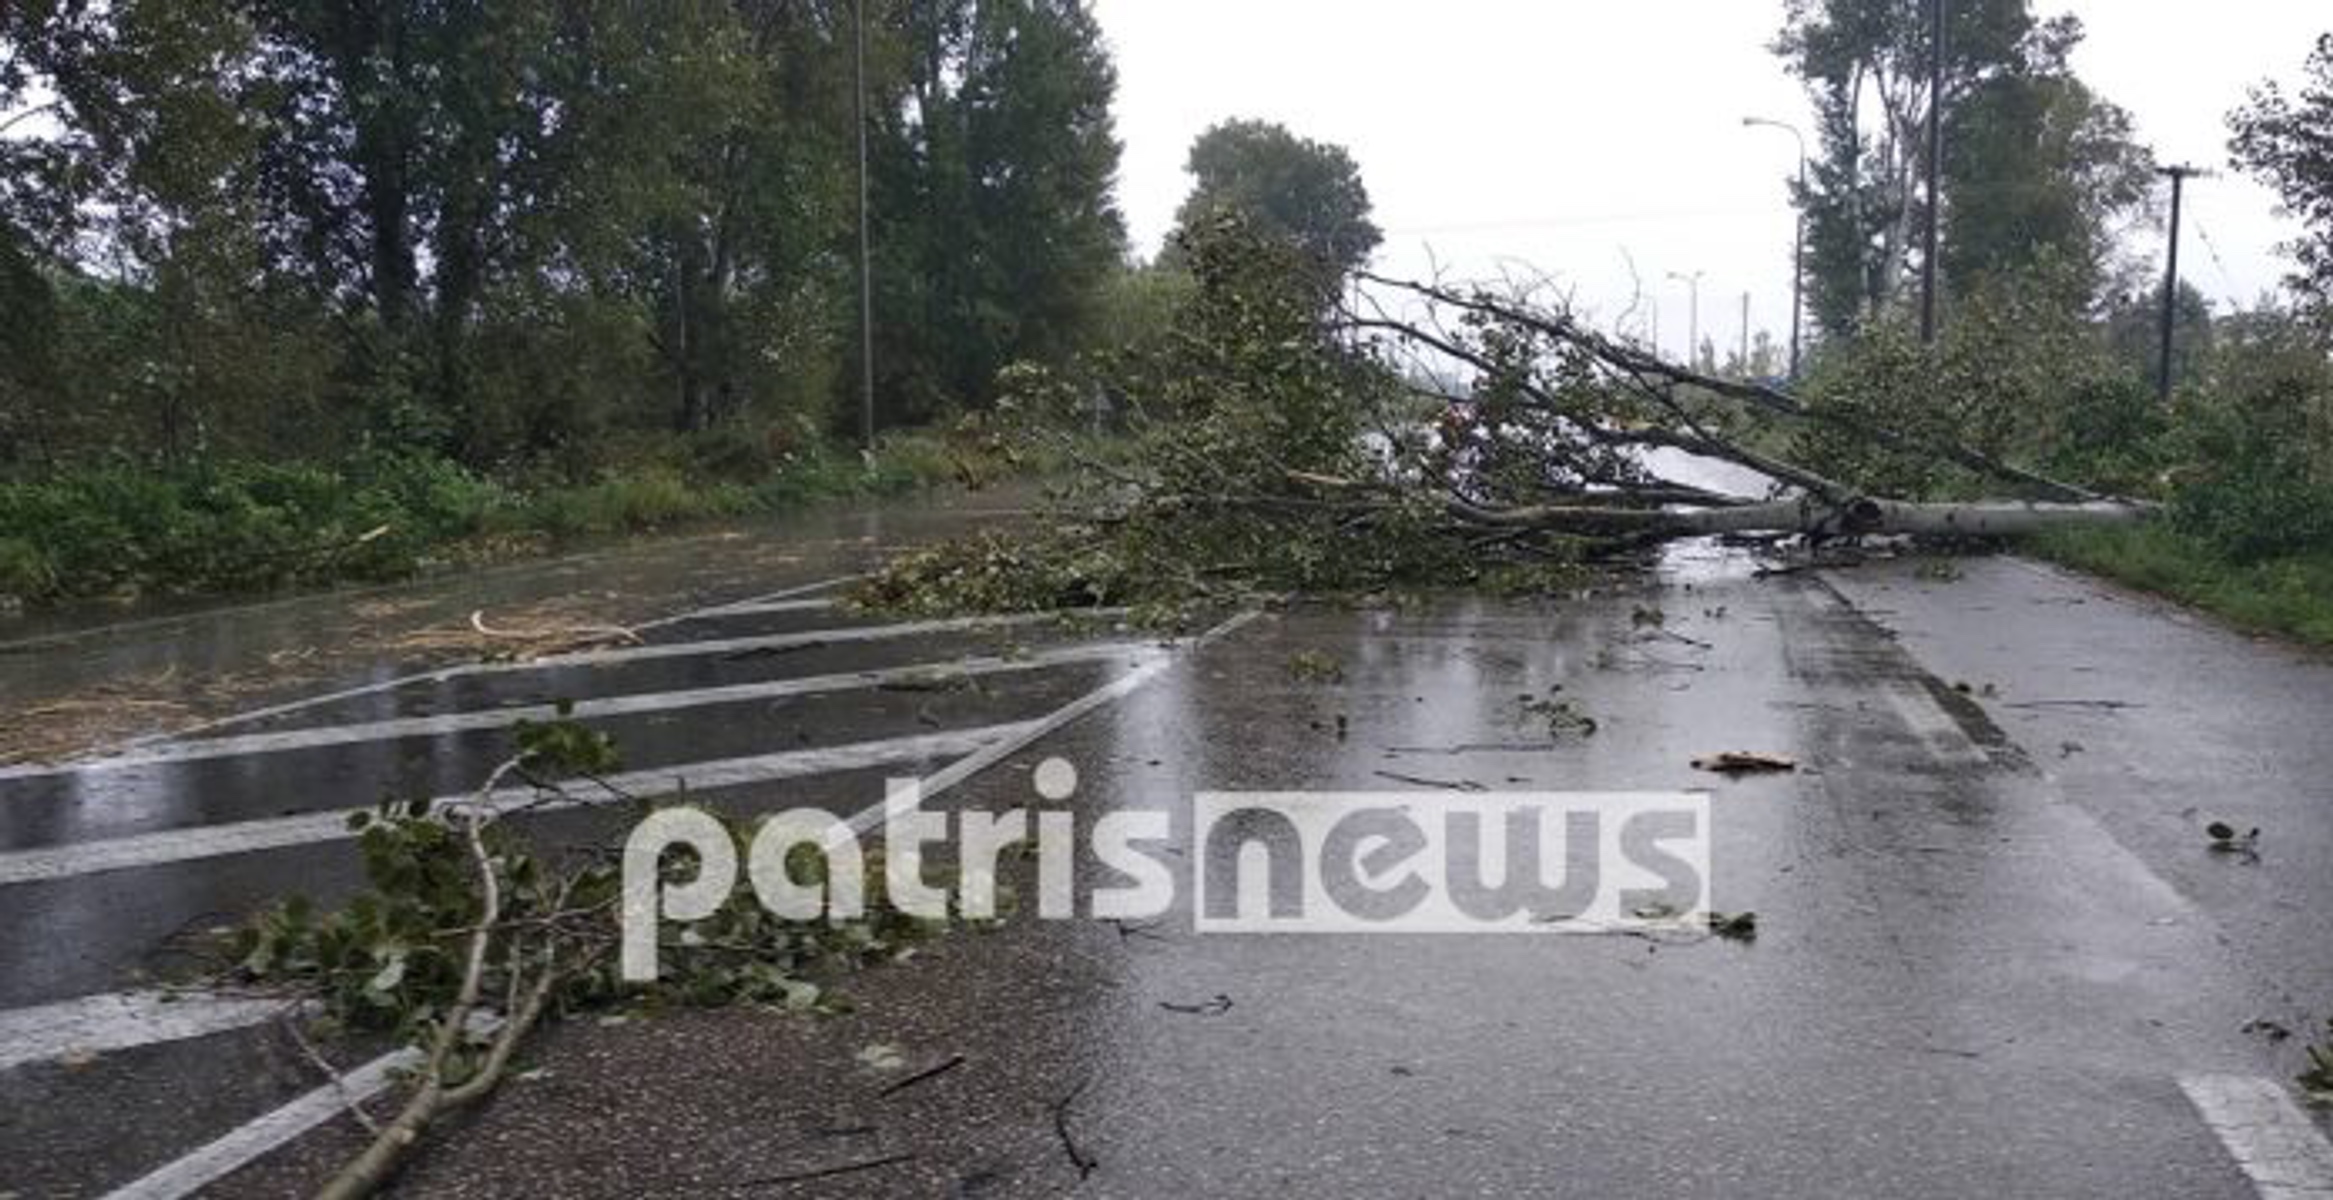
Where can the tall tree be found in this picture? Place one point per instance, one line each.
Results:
(2038, 167)
(1306, 192)
(2034, 160)
(2286, 141)
(997, 229)
(496, 228)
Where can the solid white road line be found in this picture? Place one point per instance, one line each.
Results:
(751, 608)
(2275, 1144)
(241, 1146)
(121, 1020)
(243, 837)
(305, 738)
(982, 759)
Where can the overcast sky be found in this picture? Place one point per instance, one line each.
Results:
(1569, 135)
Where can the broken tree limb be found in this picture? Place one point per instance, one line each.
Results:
(1622, 359)
(1987, 519)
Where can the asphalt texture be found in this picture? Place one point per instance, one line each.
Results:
(1994, 950)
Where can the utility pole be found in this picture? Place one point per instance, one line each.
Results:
(1693, 318)
(1798, 240)
(2179, 176)
(1935, 168)
(866, 251)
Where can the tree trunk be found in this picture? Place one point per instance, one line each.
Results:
(1982, 519)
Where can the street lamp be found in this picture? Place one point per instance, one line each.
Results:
(1693, 318)
(1798, 241)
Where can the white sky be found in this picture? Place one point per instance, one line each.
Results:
(1556, 134)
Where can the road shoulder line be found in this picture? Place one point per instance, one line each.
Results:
(2275, 1144)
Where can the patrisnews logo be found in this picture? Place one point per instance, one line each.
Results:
(1258, 862)
(1378, 862)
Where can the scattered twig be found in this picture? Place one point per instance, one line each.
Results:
(1084, 1162)
(1216, 1007)
(850, 1168)
(349, 1100)
(1744, 762)
(934, 1071)
(1453, 785)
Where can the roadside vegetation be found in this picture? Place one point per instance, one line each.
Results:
(290, 295)
(117, 530)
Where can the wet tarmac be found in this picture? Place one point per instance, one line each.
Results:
(1984, 963)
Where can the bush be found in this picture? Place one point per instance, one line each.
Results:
(2258, 444)
(241, 526)
(2017, 376)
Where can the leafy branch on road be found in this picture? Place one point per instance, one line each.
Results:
(468, 937)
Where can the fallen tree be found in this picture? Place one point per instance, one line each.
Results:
(1417, 431)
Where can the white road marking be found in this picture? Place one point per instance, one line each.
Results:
(121, 1020)
(2275, 1144)
(310, 737)
(238, 1148)
(751, 608)
(988, 756)
(593, 658)
(1933, 726)
(244, 837)
(244, 1145)
(367, 689)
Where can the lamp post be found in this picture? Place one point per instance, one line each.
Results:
(1928, 262)
(1693, 317)
(866, 249)
(1798, 240)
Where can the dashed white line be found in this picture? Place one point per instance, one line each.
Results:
(122, 1020)
(2273, 1142)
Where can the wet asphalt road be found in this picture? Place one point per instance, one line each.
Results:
(1994, 954)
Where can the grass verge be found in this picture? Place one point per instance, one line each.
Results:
(126, 531)
(2291, 596)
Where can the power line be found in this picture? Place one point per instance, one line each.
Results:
(2213, 249)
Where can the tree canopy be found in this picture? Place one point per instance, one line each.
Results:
(2037, 166)
(1304, 192)
(499, 230)
(2286, 141)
